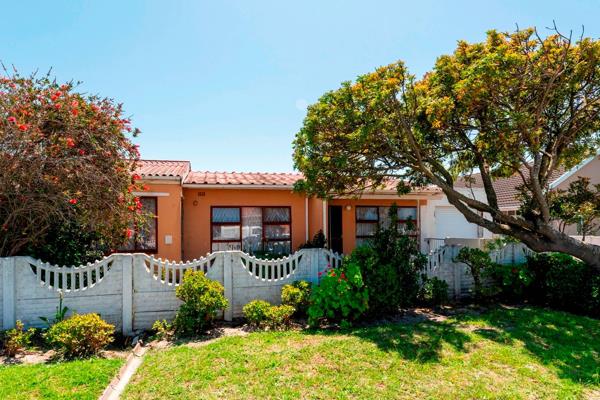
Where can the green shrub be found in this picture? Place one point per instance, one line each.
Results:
(433, 292)
(16, 339)
(391, 266)
(318, 242)
(279, 317)
(297, 295)
(162, 329)
(262, 314)
(69, 243)
(480, 264)
(256, 312)
(80, 335)
(202, 299)
(563, 282)
(510, 282)
(341, 296)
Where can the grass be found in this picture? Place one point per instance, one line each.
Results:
(80, 379)
(501, 354)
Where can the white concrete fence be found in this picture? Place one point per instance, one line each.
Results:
(441, 264)
(132, 291)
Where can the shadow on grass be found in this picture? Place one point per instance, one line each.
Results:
(421, 342)
(569, 343)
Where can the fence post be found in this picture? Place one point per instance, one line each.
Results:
(315, 264)
(228, 284)
(127, 271)
(457, 273)
(9, 294)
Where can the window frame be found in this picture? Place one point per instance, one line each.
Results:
(377, 223)
(136, 247)
(264, 223)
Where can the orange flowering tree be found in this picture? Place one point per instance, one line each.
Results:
(65, 158)
(516, 103)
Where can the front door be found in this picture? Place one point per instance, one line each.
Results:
(335, 240)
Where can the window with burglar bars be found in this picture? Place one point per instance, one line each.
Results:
(251, 229)
(368, 218)
(144, 238)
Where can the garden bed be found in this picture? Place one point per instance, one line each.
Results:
(503, 352)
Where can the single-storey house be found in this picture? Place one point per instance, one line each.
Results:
(198, 212)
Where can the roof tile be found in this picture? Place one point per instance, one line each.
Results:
(162, 168)
(242, 178)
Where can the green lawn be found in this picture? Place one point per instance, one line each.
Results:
(81, 379)
(505, 353)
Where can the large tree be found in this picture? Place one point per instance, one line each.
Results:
(514, 104)
(65, 159)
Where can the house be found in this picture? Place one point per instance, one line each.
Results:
(198, 212)
(507, 188)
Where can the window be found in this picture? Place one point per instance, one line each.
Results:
(369, 218)
(145, 238)
(252, 229)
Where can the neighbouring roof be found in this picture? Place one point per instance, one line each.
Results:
(163, 168)
(506, 188)
(242, 178)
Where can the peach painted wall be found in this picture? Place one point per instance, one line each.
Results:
(169, 218)
(349, 216)
(315, 216)
(197, 205)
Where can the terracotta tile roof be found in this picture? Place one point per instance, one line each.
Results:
(506, 188)
(162, 168)
(242, 178)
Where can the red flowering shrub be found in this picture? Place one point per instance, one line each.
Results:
(65, 157)
(341, 296)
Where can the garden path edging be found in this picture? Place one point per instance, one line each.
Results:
(117, 385)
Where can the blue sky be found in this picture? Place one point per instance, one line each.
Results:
(225, 84)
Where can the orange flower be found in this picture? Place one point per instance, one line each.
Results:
(70, 142)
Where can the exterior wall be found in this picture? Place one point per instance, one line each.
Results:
(349, 216)
(168, 194)
(315, 216)
(428, 214)
(590, 170)
(197, 205)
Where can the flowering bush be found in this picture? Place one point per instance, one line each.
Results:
(80, 335)
(296, 295)
(341, 296)
(16, 339)
(255, 312)
(262, 314)
(202, 299)
(65, 157)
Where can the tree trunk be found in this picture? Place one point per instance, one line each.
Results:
(560, 242)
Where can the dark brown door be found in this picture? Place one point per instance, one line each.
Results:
(335, 239)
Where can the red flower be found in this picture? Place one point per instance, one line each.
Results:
(136, 177)
(145, 188)
(81, 152)
(70, 142)
(12, 119)
(128, 233)
(73, 201)
(74, 111)
(23, 127)
(58, 106)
